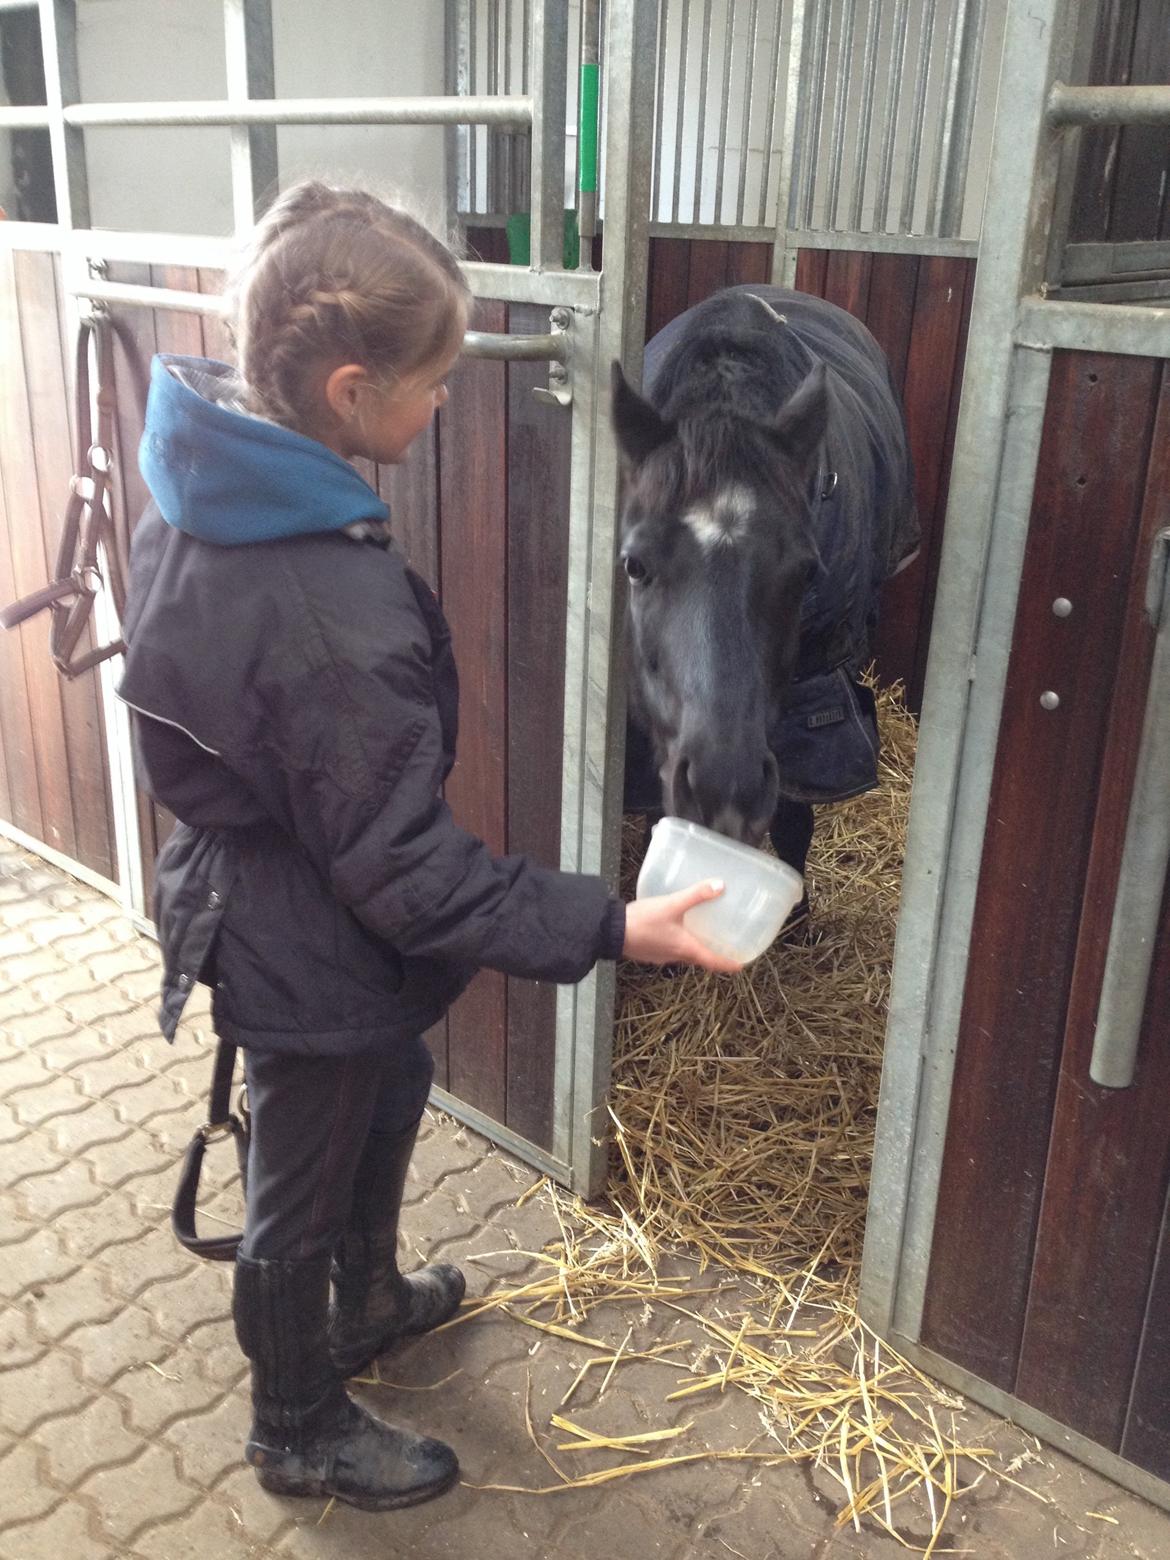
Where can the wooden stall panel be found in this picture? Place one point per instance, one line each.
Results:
(54, 748)
(918, 309)
(51, 414)
(1105, 1181)
(412, 491)
(20, 649)
(1146, 1439)
(1082, 544)
(473, 498)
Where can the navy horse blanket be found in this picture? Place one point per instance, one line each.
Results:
(864, 526)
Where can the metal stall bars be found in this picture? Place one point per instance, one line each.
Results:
(1015, 328)
(880, 111)
(599, 318)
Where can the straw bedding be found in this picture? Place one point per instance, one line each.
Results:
(743, 1114)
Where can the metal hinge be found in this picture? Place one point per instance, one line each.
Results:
(560, 383)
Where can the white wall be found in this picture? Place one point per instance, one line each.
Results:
(178, 180)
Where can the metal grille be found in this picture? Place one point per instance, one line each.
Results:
(895, 98)
(887, 104)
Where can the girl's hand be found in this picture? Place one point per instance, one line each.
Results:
(655, 933)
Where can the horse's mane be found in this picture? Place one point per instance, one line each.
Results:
(737, 357)
(722, 384)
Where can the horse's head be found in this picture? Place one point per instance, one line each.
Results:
(716, 541)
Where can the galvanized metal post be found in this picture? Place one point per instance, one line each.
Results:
(918, 117)
(751, 49)
(897, 69)
(550, 63)
(594, 691)
(680, 107)
(873, 27)
(794, 44)
(996, 447)
(250, 74)
(840, 111)
(945, 212)
(456, 83)
(778, 37)
(63, 87)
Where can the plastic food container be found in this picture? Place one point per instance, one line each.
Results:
(759, 890)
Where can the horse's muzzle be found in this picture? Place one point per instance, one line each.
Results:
(731, 787)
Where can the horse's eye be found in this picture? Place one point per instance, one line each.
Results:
(635, 568)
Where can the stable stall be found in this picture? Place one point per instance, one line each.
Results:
(610, 166)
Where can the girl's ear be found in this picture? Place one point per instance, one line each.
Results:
(637, 426)
(342, 390)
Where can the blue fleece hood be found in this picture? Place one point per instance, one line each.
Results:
(227, 477)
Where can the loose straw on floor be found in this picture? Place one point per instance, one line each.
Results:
(743, 1112)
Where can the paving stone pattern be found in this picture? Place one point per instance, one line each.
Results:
(123, 1398)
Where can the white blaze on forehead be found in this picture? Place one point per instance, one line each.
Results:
(725, 520)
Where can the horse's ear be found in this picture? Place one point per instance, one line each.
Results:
(637, 426)
(801, 422)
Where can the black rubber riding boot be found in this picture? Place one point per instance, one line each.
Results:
(375, 1305)
(308, 1437)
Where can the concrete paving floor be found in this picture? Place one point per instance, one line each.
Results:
(123, 1398)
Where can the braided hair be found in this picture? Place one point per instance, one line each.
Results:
(339, 276)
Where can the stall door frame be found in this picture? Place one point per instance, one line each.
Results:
(595, 317)
(1015, 327)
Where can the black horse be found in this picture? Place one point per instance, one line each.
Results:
(769, 494)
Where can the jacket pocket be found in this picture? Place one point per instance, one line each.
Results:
(194, 878)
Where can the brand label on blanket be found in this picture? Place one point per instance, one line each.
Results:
(830, 717)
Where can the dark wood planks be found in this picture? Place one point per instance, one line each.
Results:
(538, 561)
(1081, 545)
(50, 412)
(708, 269)
(1146, 1440)
(412, 491)
(748, 263)
(668, 282)
(918, 309)
(1108, 1165)
(32, 557)
(21, 677)
(847, 275)
(473, 496)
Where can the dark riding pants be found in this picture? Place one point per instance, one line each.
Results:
(311, 1119)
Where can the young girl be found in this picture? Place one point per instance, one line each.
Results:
(294, 701)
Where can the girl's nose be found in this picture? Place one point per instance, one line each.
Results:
(441, 396)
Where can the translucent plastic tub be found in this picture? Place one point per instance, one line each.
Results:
(759, 895)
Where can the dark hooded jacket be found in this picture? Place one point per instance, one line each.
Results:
(295, 702)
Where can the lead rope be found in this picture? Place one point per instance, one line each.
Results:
(88, 536)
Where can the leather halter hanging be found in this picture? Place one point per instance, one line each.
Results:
(87, 524)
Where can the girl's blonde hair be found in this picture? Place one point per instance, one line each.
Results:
(339, 275)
